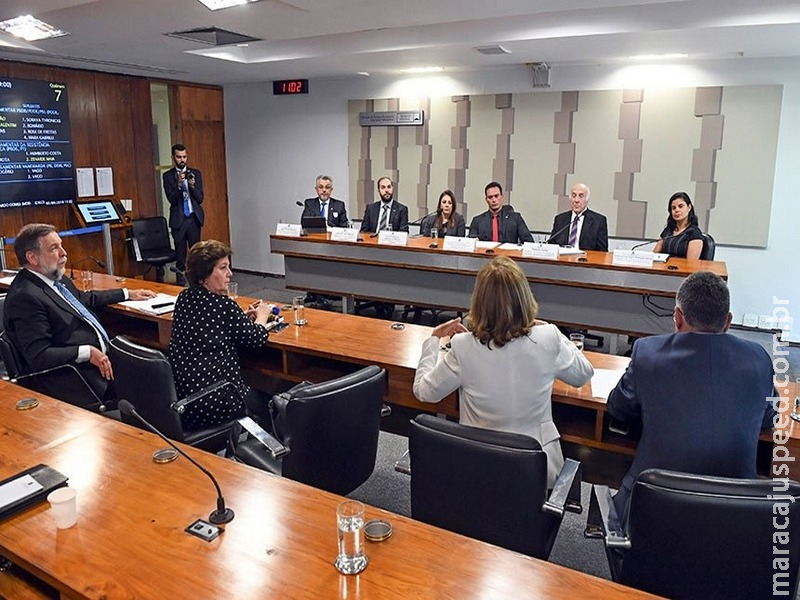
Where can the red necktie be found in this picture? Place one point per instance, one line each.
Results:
(495, 228)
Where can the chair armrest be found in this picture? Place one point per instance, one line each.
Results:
(566, 493)
(403, 464)
(386, 410)
(603, 521)
(180, 406)
(68, 367)
(271, 443)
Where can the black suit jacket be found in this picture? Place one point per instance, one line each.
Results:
(337, 213)
(398, 216)
(429, 221)
(511, 226)
(175, 196)
(594, 232)
(46, 329)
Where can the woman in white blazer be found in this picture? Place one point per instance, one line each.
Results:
(505, 364)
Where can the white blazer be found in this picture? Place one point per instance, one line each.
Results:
(508, 388)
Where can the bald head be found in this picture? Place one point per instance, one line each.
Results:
(579, 196)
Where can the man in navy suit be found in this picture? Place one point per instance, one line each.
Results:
(500, 223)
(385, 212)
(323, 205)
(42, 320)
(580, 227)
(184, 190)
(700, 394)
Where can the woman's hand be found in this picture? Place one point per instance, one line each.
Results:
(449, 328)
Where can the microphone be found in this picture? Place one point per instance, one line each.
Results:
(219, 516)
(97, 261)
(299, 203)
(421, 219)
(632, 248)
(565, 227)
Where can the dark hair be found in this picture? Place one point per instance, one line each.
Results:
(177, 147)
(705, 301)
(378, 184)
(451, 222)
(492, 184)
(503, 306)
(201, 260)
(29, 238)
(671, 224)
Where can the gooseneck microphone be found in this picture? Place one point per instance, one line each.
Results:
(567, 226)
(222, 514)
(97, 261)
(299, 203)
(632, 248)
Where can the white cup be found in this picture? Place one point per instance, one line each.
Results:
(233, 290)
(64, 507)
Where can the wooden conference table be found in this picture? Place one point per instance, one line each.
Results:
(129, 541)
(584, 291)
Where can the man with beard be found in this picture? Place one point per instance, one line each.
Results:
(184, 190)
(48, 320)
(386, 213)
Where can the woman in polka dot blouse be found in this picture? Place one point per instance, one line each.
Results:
(208, 327)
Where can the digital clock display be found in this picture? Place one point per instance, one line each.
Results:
(290, 86)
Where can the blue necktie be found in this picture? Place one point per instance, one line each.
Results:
(322, 207)
(81, 309)
(187, 205)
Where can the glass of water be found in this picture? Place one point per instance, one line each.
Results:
(299, 308)
(577, 339)
(350, 528)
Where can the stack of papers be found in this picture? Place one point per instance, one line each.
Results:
(161, 304)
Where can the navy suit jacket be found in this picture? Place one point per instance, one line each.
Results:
(701, 401)
(46, 329)
(398, 216)
(594, 231)
(175, 196)
(511, 226)
(337, 213)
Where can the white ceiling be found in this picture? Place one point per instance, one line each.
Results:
(336, 38)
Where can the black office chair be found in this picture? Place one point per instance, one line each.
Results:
(327, 433)
(709, 247)
(64, 382)
(489, 485)
(143, 377)
(151, 244)
(695, 536)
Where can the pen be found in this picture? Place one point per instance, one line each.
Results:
(163, 305)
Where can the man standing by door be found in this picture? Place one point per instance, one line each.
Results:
(184, 190)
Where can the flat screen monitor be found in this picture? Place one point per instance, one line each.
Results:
(95, 213)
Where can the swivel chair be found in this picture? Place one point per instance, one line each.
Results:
(709, 247)
(143, 377)
(326, 434)
(696, 536)
(489, 485)
(151, 244)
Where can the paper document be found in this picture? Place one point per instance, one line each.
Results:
(567, 251)
(486, 245)
(161, 304)
(510, 246)
(605, 380)
(660, 257)
(17, 489)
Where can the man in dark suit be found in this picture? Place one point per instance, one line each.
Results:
(580, 227)
(385, 212)
(500, 223)
(324, 206)
(42, 319)
(700, 394)
(184, 190)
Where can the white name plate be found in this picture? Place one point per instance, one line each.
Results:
(632, 258)
(289, 229)
(536, 250)
(393, 238)
(459, 244)
(344, 234)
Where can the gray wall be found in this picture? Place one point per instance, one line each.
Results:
(276, 146)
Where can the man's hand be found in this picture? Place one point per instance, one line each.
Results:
(140, 294)
(102, 362)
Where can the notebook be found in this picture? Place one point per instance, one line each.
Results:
(28, 488)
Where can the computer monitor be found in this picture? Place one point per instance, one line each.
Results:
(96, 213)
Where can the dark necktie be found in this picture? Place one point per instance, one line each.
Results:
(384, 223)
(573, 232)
(81, 309)
(322, 207)
(495, 227)
(187, 203)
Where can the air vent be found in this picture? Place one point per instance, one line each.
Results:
(213, 36)
(492, 50)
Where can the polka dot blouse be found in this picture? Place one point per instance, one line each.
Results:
(207, 330)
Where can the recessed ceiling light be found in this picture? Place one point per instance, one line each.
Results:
(363, 73)
(220, 4)
(422, 70)
(670, 56)
(30, 28)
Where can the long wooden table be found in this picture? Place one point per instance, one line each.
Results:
(129, 541)
(583, 291)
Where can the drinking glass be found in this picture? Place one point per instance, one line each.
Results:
(435, 233)
(233, 290)
(87, 280)
(299, 308)
(350, 528)
(577, 339)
